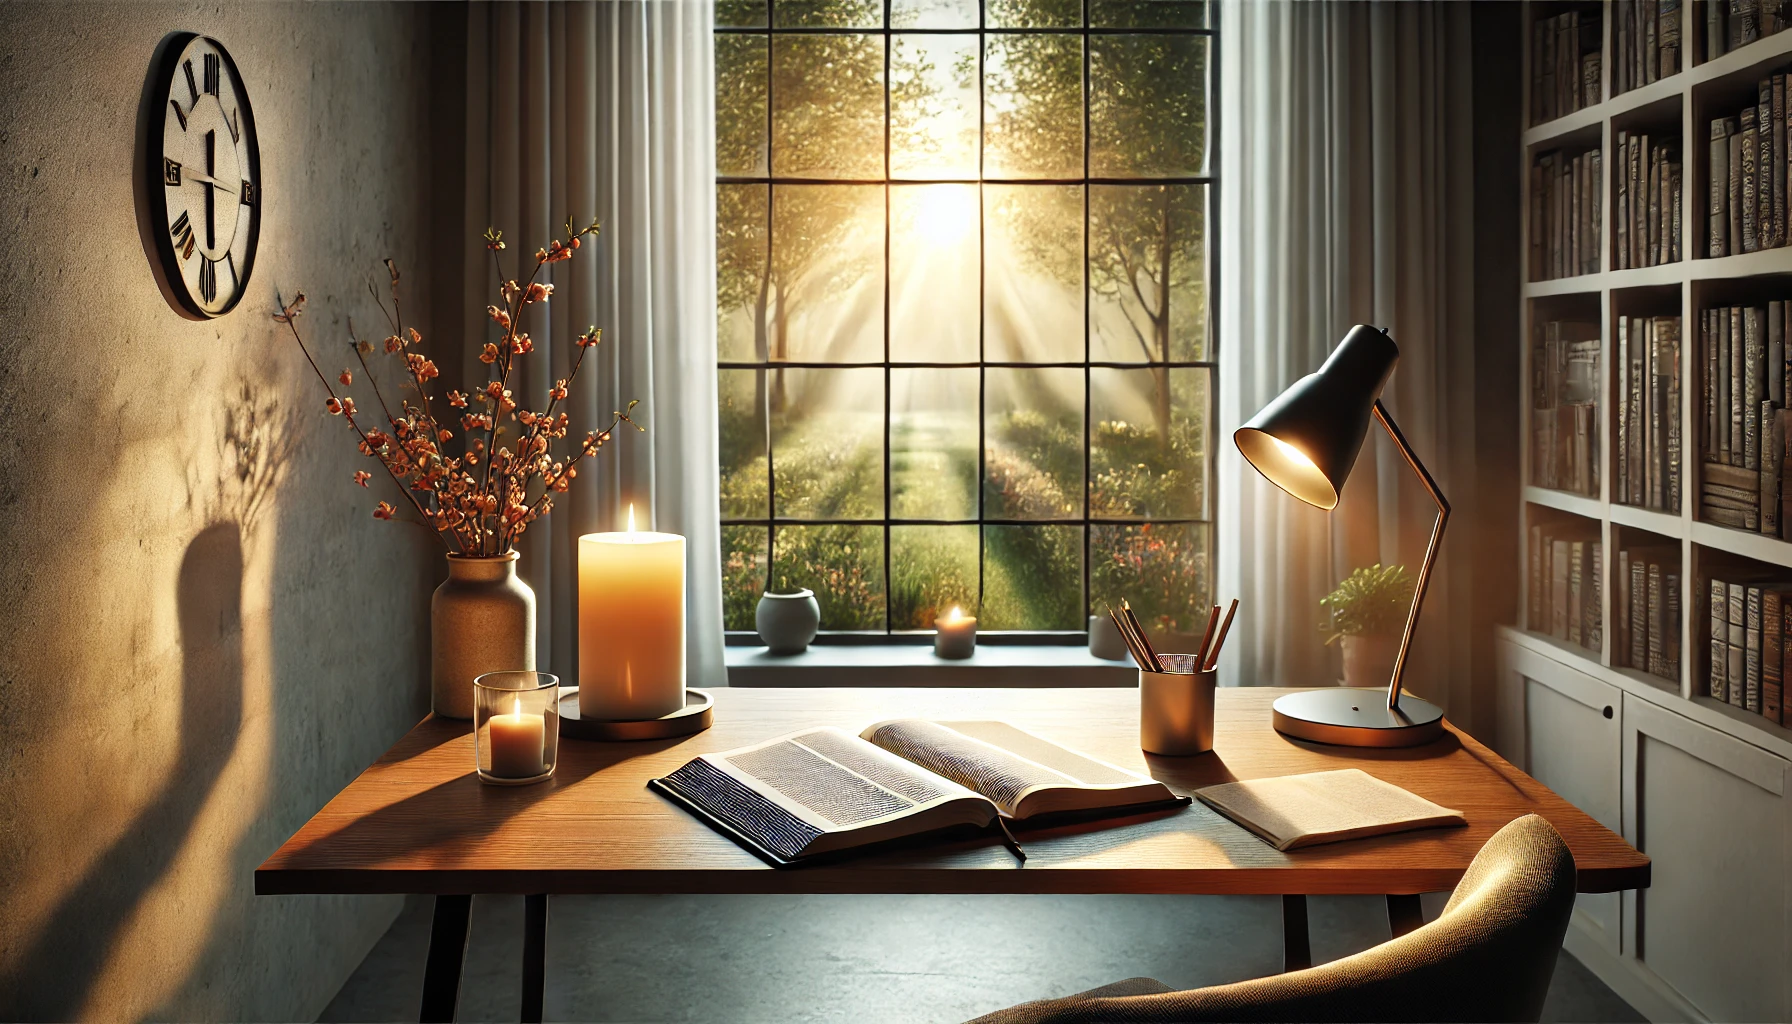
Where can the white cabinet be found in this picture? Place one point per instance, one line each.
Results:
(1711, 938)
(1566, 725)
(1712, 814)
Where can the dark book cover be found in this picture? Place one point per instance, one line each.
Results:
(1639, 613)
(1764, 164)
(1737, 615)
(1670, 643)
(1777, 164)
(1670, 342)
(1754, 355)
(1718, 215)
(1751, 687)
(1772, 654)
(1750, 184)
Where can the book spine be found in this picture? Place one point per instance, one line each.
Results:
(1558, 594)
(1670, 642)
(1651, 46)
(1716, 33)
(1621, 490)
(1676, 214)
(1621, 611)
(1652, 255)
(1772, 655)
(1638, 420)
(1671, 411)
(1720, 388)
(1754, 355)
(1750, 28)
(1738, 389)
(1596, 173)
(1577, 556)
(1669, 36)
(1737, 615)
(1657, 623)
(1785, 659)
(1776, 353)
(1782, 435)
(1733, 203)
(1720, 634)
(1750, 200)
(1776, 167)
(1752, 659)
(1639, 198)
(1536, 614)
(1764, 164)
(1770, 473)
(1719, 217)
(1589, 75)
(1592, 631)
(1639, 613)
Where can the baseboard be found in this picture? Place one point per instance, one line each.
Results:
(1634, 983)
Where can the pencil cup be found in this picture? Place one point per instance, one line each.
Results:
(1176, 707)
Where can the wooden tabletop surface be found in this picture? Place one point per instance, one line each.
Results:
(419, 821)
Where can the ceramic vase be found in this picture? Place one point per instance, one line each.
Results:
(481, 619)
(787, 622)
(1369, 660)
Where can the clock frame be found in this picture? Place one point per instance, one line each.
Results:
(200, 177)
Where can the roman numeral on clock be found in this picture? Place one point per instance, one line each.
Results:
(208, 279)
(211, 73)
(170, 172)
(178, 112)
(192, 86)
(182, 230)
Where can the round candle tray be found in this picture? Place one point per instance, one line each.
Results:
(696, 716)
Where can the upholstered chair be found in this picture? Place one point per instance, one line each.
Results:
(1488, 957)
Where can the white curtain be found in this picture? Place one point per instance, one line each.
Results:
(1346, 197)
(586, 109)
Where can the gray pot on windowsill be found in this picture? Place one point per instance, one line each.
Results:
(787, 622)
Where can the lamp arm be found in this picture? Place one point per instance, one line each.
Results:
(1437, 536)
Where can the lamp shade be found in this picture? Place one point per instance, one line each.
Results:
(1306, 441)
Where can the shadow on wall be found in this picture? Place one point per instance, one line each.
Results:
(52, 977)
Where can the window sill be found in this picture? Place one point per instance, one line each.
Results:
(915, 665)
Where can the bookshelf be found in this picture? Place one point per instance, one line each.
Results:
(1677, 108)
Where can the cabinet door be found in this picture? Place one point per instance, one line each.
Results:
(1567, 733)
(1712, 813)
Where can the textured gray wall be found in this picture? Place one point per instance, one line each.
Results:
(206, 635)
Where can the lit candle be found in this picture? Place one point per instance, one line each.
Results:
(631, 624)
(957, 636)
(516, 743)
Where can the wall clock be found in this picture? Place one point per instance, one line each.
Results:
(201, 178)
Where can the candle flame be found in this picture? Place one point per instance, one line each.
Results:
(516, 705)
(631, 517)
(955, 614)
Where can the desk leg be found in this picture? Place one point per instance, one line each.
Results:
(1404, 914)
(1297, 953)
(535, 941)
(447, 950)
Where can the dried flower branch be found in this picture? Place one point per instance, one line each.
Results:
(481, 501)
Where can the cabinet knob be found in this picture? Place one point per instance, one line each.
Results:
(1608, 711)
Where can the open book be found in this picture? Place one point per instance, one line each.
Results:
(826, 791)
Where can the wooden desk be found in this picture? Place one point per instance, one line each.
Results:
(418, 821)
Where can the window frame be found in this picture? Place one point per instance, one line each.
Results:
(770, 180)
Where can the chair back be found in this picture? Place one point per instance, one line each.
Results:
(1488, 957)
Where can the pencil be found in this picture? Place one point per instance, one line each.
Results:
(1213, 656)
(1144, 641)
(1132, 645)
(1213, 619)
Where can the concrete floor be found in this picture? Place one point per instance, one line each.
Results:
(869, 959)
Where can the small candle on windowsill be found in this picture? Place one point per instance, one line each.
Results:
(516, 741)
(957, 636)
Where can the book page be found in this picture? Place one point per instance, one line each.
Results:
(979, 766)
(1321, 807)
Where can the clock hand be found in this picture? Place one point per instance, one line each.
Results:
(206, 179)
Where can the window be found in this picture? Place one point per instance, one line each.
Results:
(965, 340)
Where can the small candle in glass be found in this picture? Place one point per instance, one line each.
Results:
(516, 726)
(957, 636)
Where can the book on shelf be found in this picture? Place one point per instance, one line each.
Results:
(1648, 386)
(826, 791)
(1565, 406)
(1744, 483)
(1564, 64)
(1734, 23)
(1647, 606)
(1565, 583)
(1564, 214)
(1750, 194)
(1648, 194)
(1751, 642)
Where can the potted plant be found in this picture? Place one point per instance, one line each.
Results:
(787, 618)
(475, 468)
(1368, 611)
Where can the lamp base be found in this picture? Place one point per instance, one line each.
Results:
(1350, 717)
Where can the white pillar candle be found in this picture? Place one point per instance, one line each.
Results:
(957, 636)
(516, 742)
(631, 624)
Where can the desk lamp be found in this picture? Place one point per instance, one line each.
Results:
(1306, 442)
